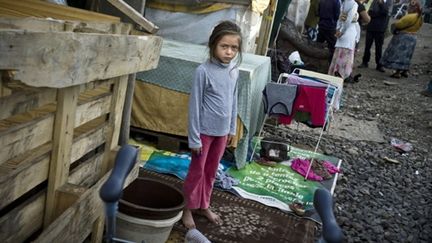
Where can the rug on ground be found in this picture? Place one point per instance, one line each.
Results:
(276, 186)
(245, 220)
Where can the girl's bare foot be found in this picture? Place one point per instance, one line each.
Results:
(212, 217)
(187, 219)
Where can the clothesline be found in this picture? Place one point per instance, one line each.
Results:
(287, 95)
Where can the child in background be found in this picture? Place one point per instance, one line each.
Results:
(212, 118)
(347, 34)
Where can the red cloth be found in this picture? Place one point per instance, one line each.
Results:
(309, 99)
(199, 181)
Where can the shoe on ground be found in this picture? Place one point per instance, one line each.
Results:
(363, 65)
(404, 74)
(349, 79)
(426, 93)
(396, 75)
(297, 208)
(357, 78)
(380, 69)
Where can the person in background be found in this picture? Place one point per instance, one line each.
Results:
(212, 118)
(364, 17)
(401, 48)
(347, 34)
(311, 21)
(329, 11)
(363, 20)
(379, 13)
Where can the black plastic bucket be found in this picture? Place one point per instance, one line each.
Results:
(151, 199)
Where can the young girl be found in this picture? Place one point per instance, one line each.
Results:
(347, 34)
(212, 118)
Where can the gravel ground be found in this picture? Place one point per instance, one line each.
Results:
(377, 200)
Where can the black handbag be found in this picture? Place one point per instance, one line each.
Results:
(274, 149)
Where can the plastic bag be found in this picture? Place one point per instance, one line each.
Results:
(401, 146)
(274, 149)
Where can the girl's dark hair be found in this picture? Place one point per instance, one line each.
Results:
(222, 29)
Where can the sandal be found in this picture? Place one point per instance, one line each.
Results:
(404, 74)
(396, 75)
(297, 208)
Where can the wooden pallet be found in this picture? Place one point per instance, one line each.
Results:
(60, 117)
(162, 141)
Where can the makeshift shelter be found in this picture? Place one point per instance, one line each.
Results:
(196, 20)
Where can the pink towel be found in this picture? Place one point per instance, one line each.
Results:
(301, 166)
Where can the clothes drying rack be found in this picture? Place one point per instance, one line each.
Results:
(336, 82)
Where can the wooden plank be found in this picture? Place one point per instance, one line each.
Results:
(67, 195)
(12, 84)
(56, 25)
(24, 132)
(116, 113)
(90, 136)
(92, 110)
(75, 224)
(116, 110)
(25, 101)
(134, 15)
(67, 100)
(23, 173)
(96, 84)
(163, 141)
(87, 173)
(265, 28)
(64, 59)
(23, 221)
(98, 230)
(4, 76)
(98, 91)
(44, 9)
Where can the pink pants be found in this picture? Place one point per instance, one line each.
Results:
(199, 181)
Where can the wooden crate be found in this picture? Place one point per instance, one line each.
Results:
(62, 92)
(163, 141)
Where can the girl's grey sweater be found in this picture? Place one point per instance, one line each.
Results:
(213, 101)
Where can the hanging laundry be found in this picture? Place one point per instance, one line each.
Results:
(278, 98)
(309, 99)
(297, 80)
